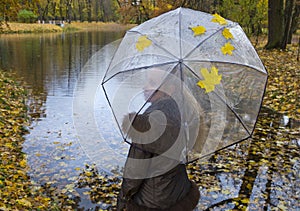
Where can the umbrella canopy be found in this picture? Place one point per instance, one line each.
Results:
(206, 68)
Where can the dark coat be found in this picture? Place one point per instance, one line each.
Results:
(171, 190)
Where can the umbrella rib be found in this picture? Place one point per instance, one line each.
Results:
(230, 108)
(106, 72)
(180, 41)
(156, 44)
(224, 62)
(211, 153)
(205, 40)
(191, 70)
(139, 68)
(113, 112)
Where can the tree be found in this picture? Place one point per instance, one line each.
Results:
(69, 10)
(137, 11)
(202, 5)
(81, 7)
(26, 16)
(43, 7)
(295, 20)
(9, 10)
(250, 14)
(89, 10)
(281, 15)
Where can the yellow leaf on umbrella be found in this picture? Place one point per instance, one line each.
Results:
(210, 79)
(227, 49)
(142, 43)
(245, 201)
(227, 34)
(198, 30)
(282, 207)
(88, 173)
(218, 19)
(226, 192)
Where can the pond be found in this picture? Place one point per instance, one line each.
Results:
(50, 65)
(68, 111)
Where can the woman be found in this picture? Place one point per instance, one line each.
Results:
(162, 183)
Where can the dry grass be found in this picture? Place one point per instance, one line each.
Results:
(30, 28)
(95, 26)
(74, 26)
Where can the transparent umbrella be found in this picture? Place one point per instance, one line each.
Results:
(206, 68)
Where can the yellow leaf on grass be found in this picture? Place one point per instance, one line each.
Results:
(142, 43)
(218, 19)
(198, 30)
(23, 163)
(227, 34)
(227, 49)
(210, 79)
(24, 202)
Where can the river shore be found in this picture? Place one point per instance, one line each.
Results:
(19, 28)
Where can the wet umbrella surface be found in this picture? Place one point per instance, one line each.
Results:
(204, 63)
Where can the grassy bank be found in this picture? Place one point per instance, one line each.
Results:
(110, 26)
(15, 28)
(18, 28)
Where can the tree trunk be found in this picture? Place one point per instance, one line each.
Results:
(61, 10)
(80, 10)
(69, 11)
(54, 10)
(281, 15)
(40, 12)
(295, 21)
(97, 11)
(289, 11)
(275, 24)
(89, 6)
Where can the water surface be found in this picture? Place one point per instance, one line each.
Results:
(50, 65)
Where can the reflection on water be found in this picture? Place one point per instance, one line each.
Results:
(50, 63)
(259, 174)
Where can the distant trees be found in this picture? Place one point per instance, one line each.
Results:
(137, 11)
(67, 10)
(252, 15)
(8, 8)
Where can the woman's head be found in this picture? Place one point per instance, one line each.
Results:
(157, 85)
